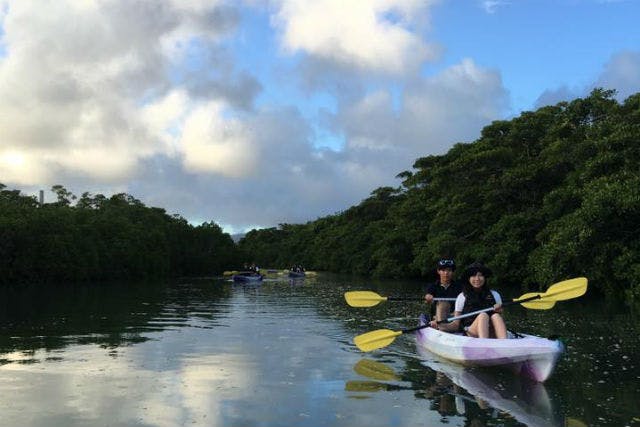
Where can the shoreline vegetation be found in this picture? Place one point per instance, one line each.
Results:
(103, 239)
(548, 195)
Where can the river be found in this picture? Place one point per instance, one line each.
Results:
(206, 352)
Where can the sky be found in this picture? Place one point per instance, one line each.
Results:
(253, 113)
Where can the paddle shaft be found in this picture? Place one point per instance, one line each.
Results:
(473, 313)
(415, 299)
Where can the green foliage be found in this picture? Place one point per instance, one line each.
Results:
(548, 195)
(102, 239)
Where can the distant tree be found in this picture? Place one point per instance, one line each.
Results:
(64, 196)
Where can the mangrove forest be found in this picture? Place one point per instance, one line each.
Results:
(548, 195)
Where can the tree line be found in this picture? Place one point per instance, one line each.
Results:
(548, 195)
(101, 238)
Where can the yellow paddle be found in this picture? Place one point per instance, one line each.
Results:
(532, 300)
(560, 291)
(370, 298)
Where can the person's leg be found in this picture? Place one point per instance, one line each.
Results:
(499, 328)
(442, 310)
(480, 326)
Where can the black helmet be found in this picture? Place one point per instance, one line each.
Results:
(446, 263)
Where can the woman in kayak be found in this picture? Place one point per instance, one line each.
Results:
(475, 296)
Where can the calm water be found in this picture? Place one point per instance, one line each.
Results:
(210, 353)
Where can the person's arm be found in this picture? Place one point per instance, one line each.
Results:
(448, 327)
(431, 290)
(497, 308)
(455, 325)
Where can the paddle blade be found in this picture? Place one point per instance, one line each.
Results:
(574, 422)
(568, 289)
(536, 304)
(375, 370)
(363, 298)
(375, 339)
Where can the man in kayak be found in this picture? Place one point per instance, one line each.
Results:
(476, 295)
(443, 287)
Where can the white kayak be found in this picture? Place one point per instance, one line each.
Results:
(527, 355)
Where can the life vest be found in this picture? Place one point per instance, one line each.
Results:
(475, 301)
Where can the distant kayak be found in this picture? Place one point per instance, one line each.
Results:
(530, 356)
(296, 274)
(247, 277)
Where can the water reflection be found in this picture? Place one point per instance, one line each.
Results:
(51, 318)
(89, 388)
(526, 401)
(481, 397)
(211, 353)
(375, 370)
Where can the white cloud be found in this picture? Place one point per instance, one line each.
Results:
(465, 93)
(376, 35)
(622, 73)
(77, 75)
(214, 144)
(164, 116)
(560, 94)
(490, 6)
(434, 113)
(203, 135)
(16, 166)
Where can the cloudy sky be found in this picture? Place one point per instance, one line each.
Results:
(252, 113)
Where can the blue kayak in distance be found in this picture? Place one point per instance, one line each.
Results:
(247, 277)
(296, 274)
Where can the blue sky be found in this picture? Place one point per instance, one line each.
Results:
(539, 45)
(253, 113)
